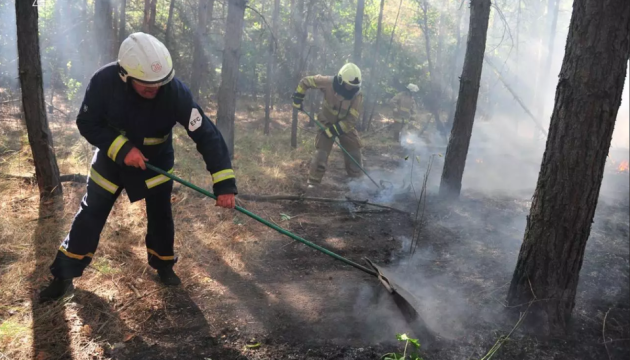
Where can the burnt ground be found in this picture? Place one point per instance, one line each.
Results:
(300, 304)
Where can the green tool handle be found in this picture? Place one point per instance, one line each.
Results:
(341, 147)
(259, 219)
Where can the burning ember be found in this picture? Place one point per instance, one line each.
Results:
(623, 166)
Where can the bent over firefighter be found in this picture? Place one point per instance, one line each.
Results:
(342, 105)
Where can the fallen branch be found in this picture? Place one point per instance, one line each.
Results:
(378, 130)
(62, 178)
(307, 198)
(518, 100)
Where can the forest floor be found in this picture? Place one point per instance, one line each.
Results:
(246, 284)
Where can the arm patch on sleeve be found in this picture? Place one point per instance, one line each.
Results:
(195, 120)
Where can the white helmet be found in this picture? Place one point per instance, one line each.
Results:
(413, 88)
(144, 58)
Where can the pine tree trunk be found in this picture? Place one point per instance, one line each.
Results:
(30, 70)
(588, 97)
(457, 150)
(122, 33)
(358, 33)
(229, 71)
(152, 17)
(270, 63)
(146, 20)
(169, 25)
(199, 66)
(105, 36)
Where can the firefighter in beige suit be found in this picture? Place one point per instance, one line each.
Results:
(404, 107)
(340, 113)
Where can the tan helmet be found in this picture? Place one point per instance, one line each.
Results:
(144, 58)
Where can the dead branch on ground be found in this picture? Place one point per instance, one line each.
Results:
(62, 178)
(307, 198)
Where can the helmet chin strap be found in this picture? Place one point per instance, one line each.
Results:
(341, 89)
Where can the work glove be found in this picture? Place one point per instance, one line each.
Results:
(298, 99)
(333, 130)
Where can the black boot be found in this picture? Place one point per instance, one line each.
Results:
(56, 290)
(168, 276)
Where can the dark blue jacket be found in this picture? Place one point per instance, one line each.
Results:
(114, 118)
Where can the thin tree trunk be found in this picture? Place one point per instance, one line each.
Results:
(146, 20)
(434, 96)
(294, 123)
(588, 97)
(270, 63)
(377, 77)
(229, 71)
(169, 24)
(358, 33)
(457, 150)
(122, 33)
(33, 102)
(153, 16)
(199, 66)
(105, 36)
(374, 65)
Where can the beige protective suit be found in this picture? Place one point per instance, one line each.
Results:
(404, 107)
(343, 113)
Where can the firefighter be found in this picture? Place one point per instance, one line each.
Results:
(404, 107)
(128, 112)
(342, 105)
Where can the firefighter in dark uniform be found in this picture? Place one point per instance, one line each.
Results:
(128, 113)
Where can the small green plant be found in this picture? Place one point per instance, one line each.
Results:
(404, 356)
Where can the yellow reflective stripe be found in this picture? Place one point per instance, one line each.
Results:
(329, 108)
(223, 175)
(102, 182)
(300, 89)
(114, 148)
(336, 129)
(405, 109)
(74, 256)
(328, 133)
(345, 127)
(155, 141)
(158, 180)
(311, 81)
(152, 252)
(354, 113)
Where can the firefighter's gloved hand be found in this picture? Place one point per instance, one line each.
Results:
(135, 158)
(226, 201)
(333, 130)
(298, 99)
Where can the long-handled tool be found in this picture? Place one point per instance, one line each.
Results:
(342, 149)
(403, 298)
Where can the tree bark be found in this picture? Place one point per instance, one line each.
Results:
(152, 17)
(105, 36)
(457, 150)
(588, 97)
(122, 33)
(199, 66)
(270, 63)
(294, 127)
(33, 102)
(358, 33)
(146, 20)
(229, 71)
(169, 25)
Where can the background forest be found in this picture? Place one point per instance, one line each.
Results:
(249, 293)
